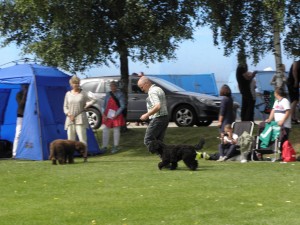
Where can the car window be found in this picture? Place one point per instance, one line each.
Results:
(166, 84)
(89, 86)
(135, 88)
(106, 85)
(101, 87)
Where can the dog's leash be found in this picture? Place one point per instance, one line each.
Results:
(74, 121)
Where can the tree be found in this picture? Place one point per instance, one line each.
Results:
(77, 34)
(292, 38)
(254, 28)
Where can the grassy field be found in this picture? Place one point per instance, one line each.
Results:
(127, 188)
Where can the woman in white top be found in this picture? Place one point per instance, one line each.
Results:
(75, 102)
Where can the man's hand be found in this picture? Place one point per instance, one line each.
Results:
(144, 117)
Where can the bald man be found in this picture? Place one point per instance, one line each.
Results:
(157, 111)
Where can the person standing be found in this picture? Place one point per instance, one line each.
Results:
(112, 117)
(157, 111)
(226, 109)
(75, 102)
(279, 78)
(293, 88)
(244, 79)
(21, 101)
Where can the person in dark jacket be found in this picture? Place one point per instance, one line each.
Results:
(293, 88)
(226, 115)
(244, 79)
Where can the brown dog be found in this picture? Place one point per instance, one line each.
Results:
(63, 151)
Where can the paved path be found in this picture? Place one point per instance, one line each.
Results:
(132, 125)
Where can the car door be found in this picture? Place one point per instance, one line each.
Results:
(136, 100)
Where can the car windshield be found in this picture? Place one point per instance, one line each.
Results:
(166, 84)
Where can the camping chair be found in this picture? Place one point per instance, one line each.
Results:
(239, 128)
(273, 148)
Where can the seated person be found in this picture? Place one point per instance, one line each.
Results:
(281, 111)
(227, 147)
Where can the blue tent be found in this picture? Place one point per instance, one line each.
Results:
(44, 118)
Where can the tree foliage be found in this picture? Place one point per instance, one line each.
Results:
(253, 28)
(292, 38)
(77, 34)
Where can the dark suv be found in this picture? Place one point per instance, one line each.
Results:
(185, 108)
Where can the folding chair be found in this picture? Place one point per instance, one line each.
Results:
(273, 148)
(239, 128)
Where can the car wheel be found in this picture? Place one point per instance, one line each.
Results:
(184, 116)
(204, 123)
(94, 118)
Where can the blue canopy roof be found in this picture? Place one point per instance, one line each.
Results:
(44, 118)
(23, 73)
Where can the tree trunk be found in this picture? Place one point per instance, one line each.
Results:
(279, 77)
(124, 78)
(124, 73)
(241, 56)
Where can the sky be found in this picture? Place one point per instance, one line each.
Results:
(193, 57)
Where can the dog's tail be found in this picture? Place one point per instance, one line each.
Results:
(200, 144)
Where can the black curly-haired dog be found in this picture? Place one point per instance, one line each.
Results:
(63, 151)
(171, 154)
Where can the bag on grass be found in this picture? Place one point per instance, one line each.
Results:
(5, 149)
(288, 152)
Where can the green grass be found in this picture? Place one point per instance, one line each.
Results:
(127, 188)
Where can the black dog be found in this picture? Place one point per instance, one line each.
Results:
(171, 154)
(63, 151)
